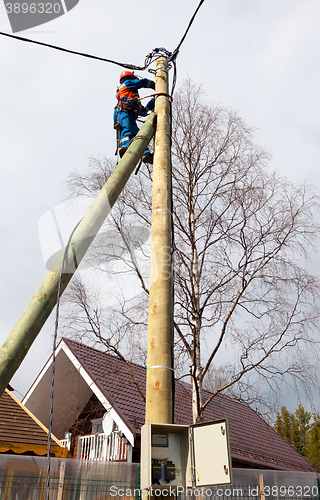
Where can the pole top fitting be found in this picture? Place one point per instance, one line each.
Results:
(163, 68)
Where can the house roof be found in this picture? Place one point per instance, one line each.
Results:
(20, 430)
(252, 440)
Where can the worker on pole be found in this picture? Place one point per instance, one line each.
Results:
(40, 306)
(128, 109)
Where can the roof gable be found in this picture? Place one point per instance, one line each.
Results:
(113, 377)
(252, 440)
(19, 425)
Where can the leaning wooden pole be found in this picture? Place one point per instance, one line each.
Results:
(39, 308)
(159, 391)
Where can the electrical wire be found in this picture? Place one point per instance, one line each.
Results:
(172, 270)
(62, 49)
(192, 467)
(174, 79)
(150, 58)
(176, 51)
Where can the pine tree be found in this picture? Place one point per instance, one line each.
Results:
(300, 429)
(313, 450)
(300, 433)
(283, 424)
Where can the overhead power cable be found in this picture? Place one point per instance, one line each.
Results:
(148, 60)
(176, 51)
(62, 49)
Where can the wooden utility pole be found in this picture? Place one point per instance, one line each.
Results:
(39, 308)
(261, 487)
(159, 394)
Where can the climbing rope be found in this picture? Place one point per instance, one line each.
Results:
(156, 95)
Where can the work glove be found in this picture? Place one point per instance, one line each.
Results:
(150, 105)
(151, 85)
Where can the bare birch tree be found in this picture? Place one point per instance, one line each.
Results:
(246, 312)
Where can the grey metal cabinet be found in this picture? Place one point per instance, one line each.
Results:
(182, 456)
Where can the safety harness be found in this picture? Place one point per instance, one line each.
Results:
(128, 102)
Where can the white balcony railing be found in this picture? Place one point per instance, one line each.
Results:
(64, 442)
(101, 447)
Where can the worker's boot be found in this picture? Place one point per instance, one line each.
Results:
(148, 157)
(122, 150)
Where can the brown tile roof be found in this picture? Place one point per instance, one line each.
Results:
(252, 440)
(18, 425)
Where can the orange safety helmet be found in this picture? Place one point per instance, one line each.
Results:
(127, 74)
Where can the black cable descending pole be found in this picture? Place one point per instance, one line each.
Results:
(176, 51)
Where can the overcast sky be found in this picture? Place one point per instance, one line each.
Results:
(258, 57)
